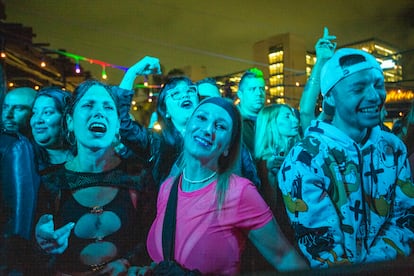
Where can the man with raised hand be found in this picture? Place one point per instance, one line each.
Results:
(347, 185)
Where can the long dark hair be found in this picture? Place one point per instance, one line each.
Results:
(171, 134)
(61, 99)
(79, 92)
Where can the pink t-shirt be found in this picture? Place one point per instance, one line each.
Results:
(208, 239)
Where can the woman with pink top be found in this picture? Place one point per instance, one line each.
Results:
(204, 228)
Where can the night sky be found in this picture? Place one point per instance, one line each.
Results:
(217, 34)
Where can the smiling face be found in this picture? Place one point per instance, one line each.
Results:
(358, 100)
(46, 122)
(95, 121)
(180, 102)
(287, 123)
(208, 133)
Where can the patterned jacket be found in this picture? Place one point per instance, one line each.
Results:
(348, 203)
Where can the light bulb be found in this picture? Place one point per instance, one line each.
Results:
(77, 68)
(104, 76)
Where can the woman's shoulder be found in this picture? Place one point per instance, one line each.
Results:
(243, 192)
(235, 178)
(239, 184)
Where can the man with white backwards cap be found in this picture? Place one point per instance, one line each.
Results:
(347, 186)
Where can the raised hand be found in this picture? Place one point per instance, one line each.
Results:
(324, 47)
(146, 66)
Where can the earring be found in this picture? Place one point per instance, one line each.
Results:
(120, 149)
(226, 153)
(167, 116)
(70, 137)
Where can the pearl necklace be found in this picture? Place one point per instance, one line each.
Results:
(198, 181)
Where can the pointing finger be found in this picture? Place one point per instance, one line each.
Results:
(325, 32)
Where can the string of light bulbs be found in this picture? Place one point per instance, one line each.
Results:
(78, 58)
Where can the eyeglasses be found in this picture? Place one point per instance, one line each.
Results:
(179, 94)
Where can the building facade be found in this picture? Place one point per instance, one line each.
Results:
(282, 59)
(287, 64)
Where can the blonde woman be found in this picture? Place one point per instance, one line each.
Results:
(277, 130)
(216, 210)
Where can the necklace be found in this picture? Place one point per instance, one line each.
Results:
(198, 181)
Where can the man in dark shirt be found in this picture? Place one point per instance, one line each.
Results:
(19, 182)
(252, 95)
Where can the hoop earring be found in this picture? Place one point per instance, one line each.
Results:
(70, 137)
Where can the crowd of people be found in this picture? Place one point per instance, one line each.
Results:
(221, 189)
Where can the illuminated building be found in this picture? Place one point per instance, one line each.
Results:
(282, 60)
(387, 55)
(287, 64)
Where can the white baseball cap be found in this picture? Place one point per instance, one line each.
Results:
(336, 68)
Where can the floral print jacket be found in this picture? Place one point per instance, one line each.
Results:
(348, 203)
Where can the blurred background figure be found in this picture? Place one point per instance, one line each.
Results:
(383, 116)
(399, 128)
(207, 87)
(277, 131)
(252, 95)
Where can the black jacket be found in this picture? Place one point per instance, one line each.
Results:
(19, 183)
